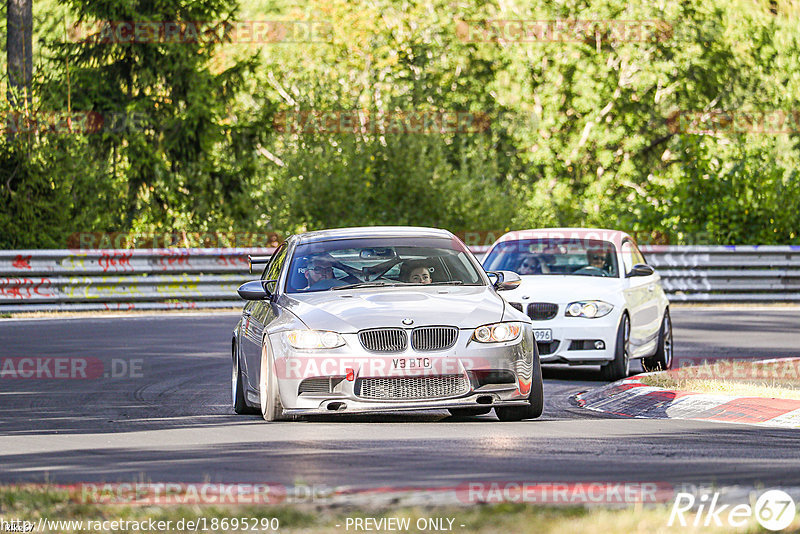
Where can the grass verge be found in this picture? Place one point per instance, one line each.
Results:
(33, 503)
(775, 379)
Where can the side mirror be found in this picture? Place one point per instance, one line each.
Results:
(254, 290)
(505, 280)
(641, 269)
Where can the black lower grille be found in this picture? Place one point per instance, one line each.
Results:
(542, 311)
(319, 385)
(412, 387)
(546, 348)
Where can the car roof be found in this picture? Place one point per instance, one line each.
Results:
(371, 231)
(601, 234)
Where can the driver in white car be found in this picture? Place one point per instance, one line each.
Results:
(597, 259)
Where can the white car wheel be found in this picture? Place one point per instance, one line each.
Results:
(662, 359)
(619, 367)
(269, 396)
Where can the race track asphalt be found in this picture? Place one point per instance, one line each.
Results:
(171, 420)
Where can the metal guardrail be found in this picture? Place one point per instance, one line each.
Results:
(146, 279)
(735, 273)
(141, 279)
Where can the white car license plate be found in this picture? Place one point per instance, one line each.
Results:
(543, 334)
(412, 363)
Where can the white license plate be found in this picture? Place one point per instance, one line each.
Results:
(412, 363)
(543, 334)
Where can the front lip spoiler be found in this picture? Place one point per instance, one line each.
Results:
(361, 406)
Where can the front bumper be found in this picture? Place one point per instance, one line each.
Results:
(574, 338)
(488, 375)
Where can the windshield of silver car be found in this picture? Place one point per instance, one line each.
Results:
(581, 257)
(380, 262)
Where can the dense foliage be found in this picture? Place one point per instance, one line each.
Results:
(656, 133)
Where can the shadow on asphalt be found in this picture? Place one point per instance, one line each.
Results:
(696, 452)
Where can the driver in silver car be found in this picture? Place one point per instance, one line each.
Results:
(318, 271)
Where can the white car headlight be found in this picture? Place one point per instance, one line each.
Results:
(497, 332)
(590, 309)
(313, 339)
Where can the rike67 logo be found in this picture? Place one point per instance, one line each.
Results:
(774, 510)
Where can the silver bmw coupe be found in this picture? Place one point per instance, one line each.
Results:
(363, 320)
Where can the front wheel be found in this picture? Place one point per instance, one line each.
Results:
(237, 387)
(269, 396)
(619, 367)
(535, 405)
(662, 359)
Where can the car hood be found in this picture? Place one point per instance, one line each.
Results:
(564, 289)
(348, 311)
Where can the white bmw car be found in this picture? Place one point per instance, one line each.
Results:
(590, 295)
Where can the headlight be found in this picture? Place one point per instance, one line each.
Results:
(497, 333)
(313, 339)
(589, 309)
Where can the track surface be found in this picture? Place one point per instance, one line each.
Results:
(174, 424)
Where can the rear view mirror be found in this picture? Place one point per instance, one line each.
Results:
(377, 253)
(641, 269)
(505, 280)
(254, 290)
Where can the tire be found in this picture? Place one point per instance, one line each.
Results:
(268, 395)
(469, 412)
(535, 404)
(237, 387)
(619, 367)
(662, 359)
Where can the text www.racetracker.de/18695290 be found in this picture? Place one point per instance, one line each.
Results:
(197, 524)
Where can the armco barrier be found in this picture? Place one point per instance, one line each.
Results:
(740, 273)
(144, 279)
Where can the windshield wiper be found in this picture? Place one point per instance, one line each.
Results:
(365, 284)
(448, 283)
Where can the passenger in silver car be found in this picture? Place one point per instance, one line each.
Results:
(415, 272)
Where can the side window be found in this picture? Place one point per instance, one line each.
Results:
(637, 254)
(631, 255)
(628, 256)
(275, 265)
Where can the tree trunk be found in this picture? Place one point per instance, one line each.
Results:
(19, 27)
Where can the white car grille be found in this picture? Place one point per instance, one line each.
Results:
(542, 311)
(428, 387)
